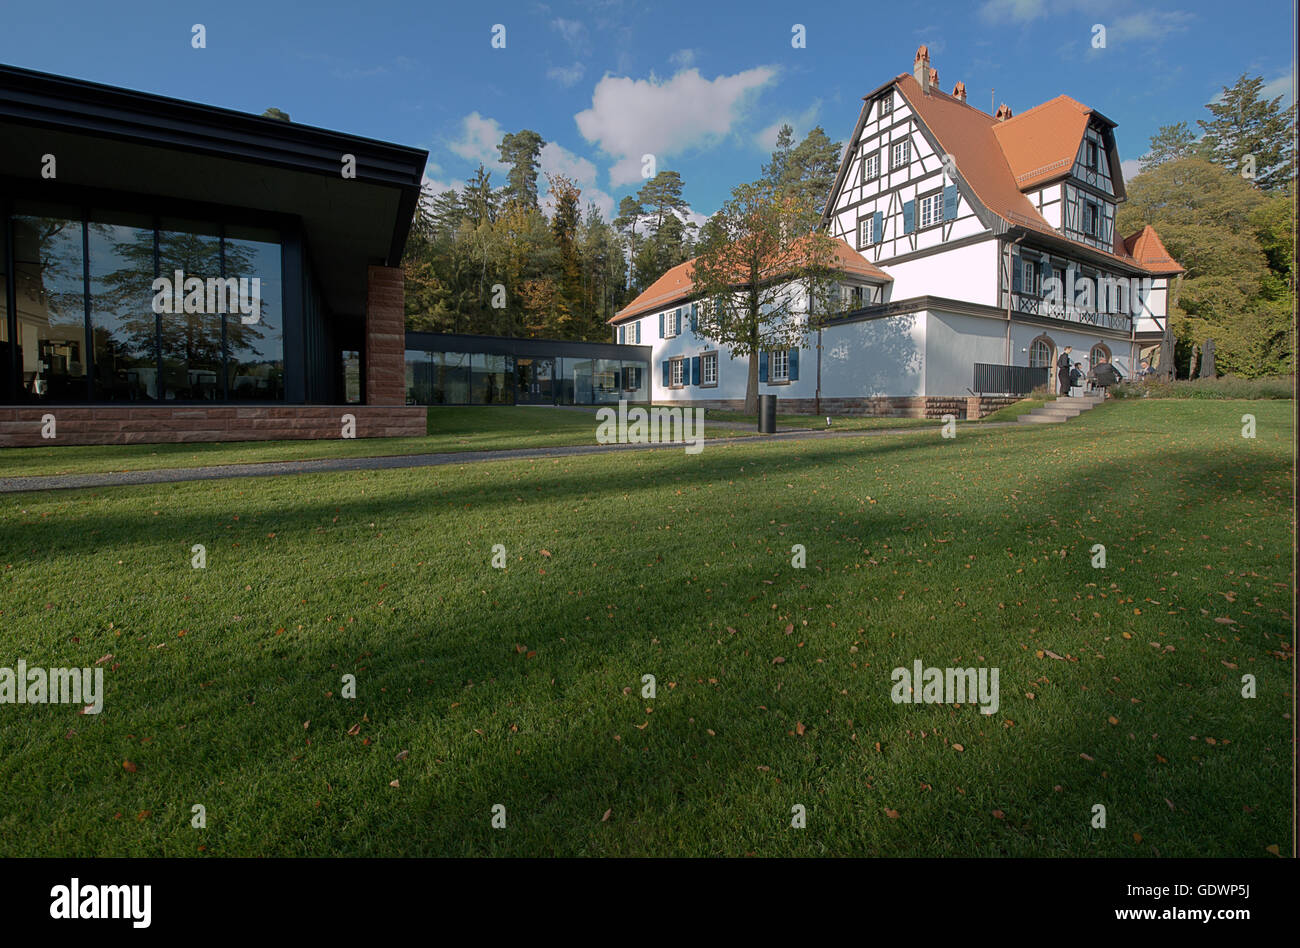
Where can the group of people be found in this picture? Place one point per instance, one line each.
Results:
(1102, 375)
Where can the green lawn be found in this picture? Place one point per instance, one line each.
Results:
(483, 428)
(818, 422)
(521, 687)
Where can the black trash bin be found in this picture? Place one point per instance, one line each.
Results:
(767, 414)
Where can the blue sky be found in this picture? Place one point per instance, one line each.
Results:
(701, 85)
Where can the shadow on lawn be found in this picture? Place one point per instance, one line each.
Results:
(576, 769)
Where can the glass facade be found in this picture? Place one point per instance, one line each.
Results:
(120, 307)
(476, 378)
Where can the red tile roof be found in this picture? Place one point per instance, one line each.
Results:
(1147, 249)
(1041, 144)
(991, 161)
(676, 285)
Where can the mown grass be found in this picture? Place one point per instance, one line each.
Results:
(522, 686)
(1228, 387)
(454, 429)
(791, 422)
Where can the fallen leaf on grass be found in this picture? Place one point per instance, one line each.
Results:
(608, 814)
(394, 783)
(799, 728)
(354, 730)
(999, 815)
(1085, 757)
(892, 814)
(958, 747)
(130, 767)
(402, 755)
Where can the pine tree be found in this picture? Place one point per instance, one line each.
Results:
(1243, 124)
(520, 152)
(1169, 143)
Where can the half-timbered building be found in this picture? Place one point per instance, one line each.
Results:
(975, 247)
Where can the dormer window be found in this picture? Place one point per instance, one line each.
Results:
(1091, 218)
(1090, 156)
(886, 104)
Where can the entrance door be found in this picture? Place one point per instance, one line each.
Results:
(535, 381)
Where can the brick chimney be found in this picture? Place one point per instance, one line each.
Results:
(959, 91)
(1003, 113)
(934, 79)
(921, 70)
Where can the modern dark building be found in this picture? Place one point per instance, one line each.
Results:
(460, 369)
(176, 272)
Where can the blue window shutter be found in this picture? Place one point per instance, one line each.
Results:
(677, 323)
(665, 364)
(950, 202)
(661, 325)
(1015, 273)
(877, 227)
(695, 317)
(762, 366)
(794, 365)
(695, 370)
(638, 332)
(909, 217)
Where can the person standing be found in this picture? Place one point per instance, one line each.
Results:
(1063, 371)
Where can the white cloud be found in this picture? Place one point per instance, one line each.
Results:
(1283, 86)
(1149, 25)
(683, 58)
(1020, 11)
(478, 142)
(556, 159)
(566, 75)
(801, 123)
(630, 118)
(1129, 167)
(573, 32)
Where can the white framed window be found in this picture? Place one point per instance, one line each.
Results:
(887, 103)
(1031, 278)
(865, 232)
(871, 166)
(1091, 218)
(676, 372)
(631, 378)
(778, 367)
(852, 297)
(709, 368)
(1040, 353)
(672, 323)
(930, 210)
(900, 154)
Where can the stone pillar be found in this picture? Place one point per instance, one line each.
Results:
(385, 337)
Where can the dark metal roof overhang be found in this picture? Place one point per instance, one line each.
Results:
(109, 139)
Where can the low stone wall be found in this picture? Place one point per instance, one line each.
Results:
(927, 406)
(113, 424)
